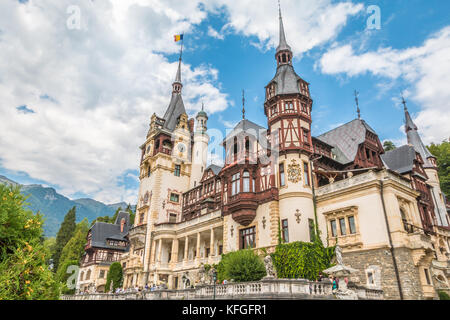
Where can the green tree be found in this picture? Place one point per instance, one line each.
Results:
(64, 234)
(73, 250)
(115, 275)
(442, 154)
(241, 266)
(389, 145)
(64, 273)
(24, 273)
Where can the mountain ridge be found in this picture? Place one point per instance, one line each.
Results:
(54, 206)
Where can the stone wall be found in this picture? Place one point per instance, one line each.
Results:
(380, 261)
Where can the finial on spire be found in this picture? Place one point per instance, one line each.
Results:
(404, 102)
(243, 104)
(357, 104)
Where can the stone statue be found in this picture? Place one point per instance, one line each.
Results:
(270, 270)
(202, 274)
(339, 255)
(185, 280)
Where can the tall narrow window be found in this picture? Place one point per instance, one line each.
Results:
(427, 276)
(247, 238)
(285, 230)
(282, 180)
(351, 225)
(246, 181)
(342, 226)
(306, 174)
(235, 184)
(253, 185)
(312, 232)
(333, 228)
(306, 136)
(177, 170)
(149, 172)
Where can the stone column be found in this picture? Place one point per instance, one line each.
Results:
(186, 247)
(158, 259)
(198, 245)
(170, 282)
(174, 254)
(152, 256)
(212, 252)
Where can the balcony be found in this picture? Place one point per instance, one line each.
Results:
(242, 207)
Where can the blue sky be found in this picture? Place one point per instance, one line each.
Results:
(78, 99)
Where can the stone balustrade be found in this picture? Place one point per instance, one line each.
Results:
(273, 289)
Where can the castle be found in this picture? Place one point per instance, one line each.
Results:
(385, 209)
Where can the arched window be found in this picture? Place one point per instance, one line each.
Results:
(81, 276)
(235, 184)
(246, 181)
(88, 275)
(284, 57)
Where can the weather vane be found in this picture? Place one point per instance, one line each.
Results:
(243, 104)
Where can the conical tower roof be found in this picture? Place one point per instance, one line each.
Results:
(414, 139)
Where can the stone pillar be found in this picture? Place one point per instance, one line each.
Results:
(152, 256)
(170, 282)
(212, 252)
(198, 246)
(158, 259)
(174, 254)
(186, 247)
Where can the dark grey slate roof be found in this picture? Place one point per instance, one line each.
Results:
(414, 139)
(346, 139)
(286, 80)
(247, 127)
(102, 231)
(400, 160)
(214, 168)
(174, 111)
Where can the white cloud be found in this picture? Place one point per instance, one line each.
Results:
(92, 90)
(425, 68)
(215, 34)
(307, 23)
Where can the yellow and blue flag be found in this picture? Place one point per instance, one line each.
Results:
(178, 37)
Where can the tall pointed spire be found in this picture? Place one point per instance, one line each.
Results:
(243, 104)
(283, 43)
(409, 124)
(284, 53)
(358, 111)
(414, 139)
(177, 85)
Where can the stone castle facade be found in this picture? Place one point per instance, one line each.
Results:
(385, 209)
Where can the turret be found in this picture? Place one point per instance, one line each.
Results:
(200, 148)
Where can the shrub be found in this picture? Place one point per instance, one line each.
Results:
(24, 273)
(443, 295)
(241, 266)
(115, 276)
(302, 259)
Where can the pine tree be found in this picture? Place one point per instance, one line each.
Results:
(65, 232)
